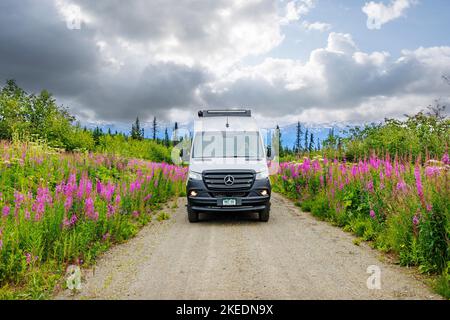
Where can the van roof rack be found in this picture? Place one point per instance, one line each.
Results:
(225, 113)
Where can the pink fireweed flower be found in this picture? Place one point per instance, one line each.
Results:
(432, 171)
(43, 195)
(111, 210)
(70, 222)
(416, 220)
(99, 187)
(72, 179)
(135, 214)
(38, 206)
(369, 186)
(132, 187)
(401, 186)
(156, 183)
(27, 214)
(88, 188)
(429, 207)
(6, 210)
(445, 158)
(37, 217)
(80, 190)
(19, 198)
(1, 244)
(387, 169)
(59, 189)
(117, 199)
(68, 203)
(89, 208)
(148, 197)
(418, 182)
(106, 236)
(28, 257)
(374, 162)
(354, 171)
(316, 166)
(372, 214)
(108, 191)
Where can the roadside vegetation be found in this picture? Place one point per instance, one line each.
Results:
(60, 209)
(68, 193)
(386, 183)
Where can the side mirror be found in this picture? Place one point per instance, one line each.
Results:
(269, 152)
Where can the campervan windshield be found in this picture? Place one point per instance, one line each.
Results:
(228, 144)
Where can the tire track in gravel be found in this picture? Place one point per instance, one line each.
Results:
(293, 256)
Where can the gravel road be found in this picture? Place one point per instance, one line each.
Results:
(293, 256)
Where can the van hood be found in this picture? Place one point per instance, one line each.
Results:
(200, 165)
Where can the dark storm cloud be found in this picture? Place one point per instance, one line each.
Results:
(40, 52)
(156, 90)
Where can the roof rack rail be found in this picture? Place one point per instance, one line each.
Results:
(225, 113)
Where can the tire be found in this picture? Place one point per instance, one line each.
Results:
(264, 215)
(192, 215)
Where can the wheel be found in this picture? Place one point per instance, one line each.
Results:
(264, 215)
(192, 215)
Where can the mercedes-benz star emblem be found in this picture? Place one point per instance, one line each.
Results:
(229, 180)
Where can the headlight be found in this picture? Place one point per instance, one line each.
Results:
(262, 175)
(195, 175)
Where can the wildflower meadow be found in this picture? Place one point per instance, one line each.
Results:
(399, 205)
(59, 209)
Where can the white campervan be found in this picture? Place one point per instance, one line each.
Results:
(228, 169)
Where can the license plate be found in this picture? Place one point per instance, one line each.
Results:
(229, 202)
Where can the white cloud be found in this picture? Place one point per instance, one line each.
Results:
(295, 9)
(316, 26)
(378, 13)
(72, 14)
(337, 83)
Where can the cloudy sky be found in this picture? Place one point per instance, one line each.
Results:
(316, 61)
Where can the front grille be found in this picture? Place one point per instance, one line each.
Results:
(215, 180)
(228, 194)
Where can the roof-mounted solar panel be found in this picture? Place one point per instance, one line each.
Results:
(225, 113)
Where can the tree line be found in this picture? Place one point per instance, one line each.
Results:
(423, 135)
(37, 117)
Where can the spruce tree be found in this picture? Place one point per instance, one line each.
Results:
(298, 144)
(154, 128)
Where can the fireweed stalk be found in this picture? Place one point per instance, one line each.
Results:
(401, 207)
(58, 208)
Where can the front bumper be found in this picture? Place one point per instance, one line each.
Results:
(209, 201)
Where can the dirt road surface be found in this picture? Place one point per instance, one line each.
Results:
(293, 256)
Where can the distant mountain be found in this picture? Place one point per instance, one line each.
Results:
(321, 131)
